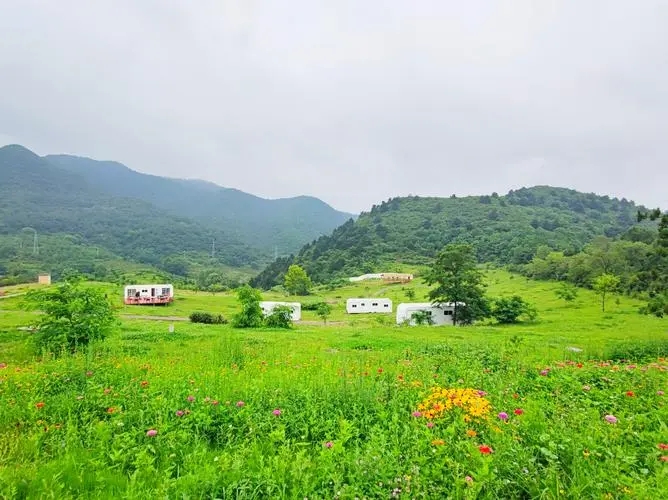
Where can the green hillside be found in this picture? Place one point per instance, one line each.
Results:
(504, 229)
(283, 224)
(36, 194)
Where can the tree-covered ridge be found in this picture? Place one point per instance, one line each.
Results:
(263, 224)
(36, 194)
(503, 229)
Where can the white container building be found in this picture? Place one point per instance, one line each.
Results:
(148, 294)
(441, 314)
(371, 305)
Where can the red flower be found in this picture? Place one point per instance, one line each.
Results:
(484, 449)
(40, 405)
(519, 411)
(663, 446)
(630, 394)
(144, 383)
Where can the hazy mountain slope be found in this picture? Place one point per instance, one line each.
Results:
(286, 224)
(35, 193)
(504, 229)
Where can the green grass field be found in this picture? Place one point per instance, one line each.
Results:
(329, 411)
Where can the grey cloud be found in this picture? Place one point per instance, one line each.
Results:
(352, 102)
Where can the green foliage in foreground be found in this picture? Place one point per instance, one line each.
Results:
(207, 318)
(73, 316)
(221, 414)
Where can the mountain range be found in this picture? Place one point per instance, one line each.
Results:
(151, 219)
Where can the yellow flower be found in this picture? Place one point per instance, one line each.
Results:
(471, 433)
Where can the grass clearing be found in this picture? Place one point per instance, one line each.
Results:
(329, 411)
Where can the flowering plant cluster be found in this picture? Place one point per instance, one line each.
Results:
(440, 401)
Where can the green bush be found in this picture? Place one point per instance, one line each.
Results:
(74, 316)
(508, 310)
(250, 315)
(280, 317)
(207, 318)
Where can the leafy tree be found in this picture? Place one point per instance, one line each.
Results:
(410, 294)
(297, 281)
(604, 285)
(280, 317)
(459, 281)
(74, 315)
(567, 292)
(323, 311)
(250, 315)
(508, 310)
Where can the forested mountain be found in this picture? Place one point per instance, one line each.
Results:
(504, 229)
(36, 194)
(284, 224)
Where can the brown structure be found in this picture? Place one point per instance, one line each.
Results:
(396, 277)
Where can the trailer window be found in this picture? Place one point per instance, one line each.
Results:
(165, 291)
(386, 305)
(374, 303)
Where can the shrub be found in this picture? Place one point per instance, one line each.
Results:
(250, 315)
(280, 317)
(323, 311)
(312, 306)
(74, 316)
(508, 310)
(207, 318)
(422, 318)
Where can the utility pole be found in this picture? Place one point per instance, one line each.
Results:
(35, 245)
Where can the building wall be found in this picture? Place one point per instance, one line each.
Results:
(44, 279)
(368, 305)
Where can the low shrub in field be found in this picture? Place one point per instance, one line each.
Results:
(74, 316)
(280, 317)
(312, 306)
(207, 318)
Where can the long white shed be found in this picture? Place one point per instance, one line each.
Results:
(362, 305)
(268, 306)
(441, 314)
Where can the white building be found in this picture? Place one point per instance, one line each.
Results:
(267, 307)
(148, 294)
(441, 314)
(359, 306)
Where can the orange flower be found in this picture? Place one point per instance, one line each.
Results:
(111, 409)
(144, 383)
(471, 433)
(630, 394)
(438, 442)
(663, 446)
(40, 405)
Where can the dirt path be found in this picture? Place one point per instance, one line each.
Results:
(154, 318)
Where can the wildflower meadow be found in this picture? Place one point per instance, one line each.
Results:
(572, 406)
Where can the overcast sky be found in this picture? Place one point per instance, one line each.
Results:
(347, 100)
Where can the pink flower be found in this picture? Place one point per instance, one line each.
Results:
(417, 414)
(430, 425)
(151, 433)
(482, 393)
(329, 444)
(586, 388)
(503, 415)
(240, 404)
(191, 399)
(179, 413)
(610, 419)
(659, 393)
(544, 372)
(468, 479)
(3, 366)
(277, 412)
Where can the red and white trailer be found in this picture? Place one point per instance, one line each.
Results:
(148, 294)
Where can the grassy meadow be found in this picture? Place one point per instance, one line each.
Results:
(569, 406)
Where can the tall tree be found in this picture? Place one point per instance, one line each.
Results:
(604, 285)
(297, 281)
(459, 280)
